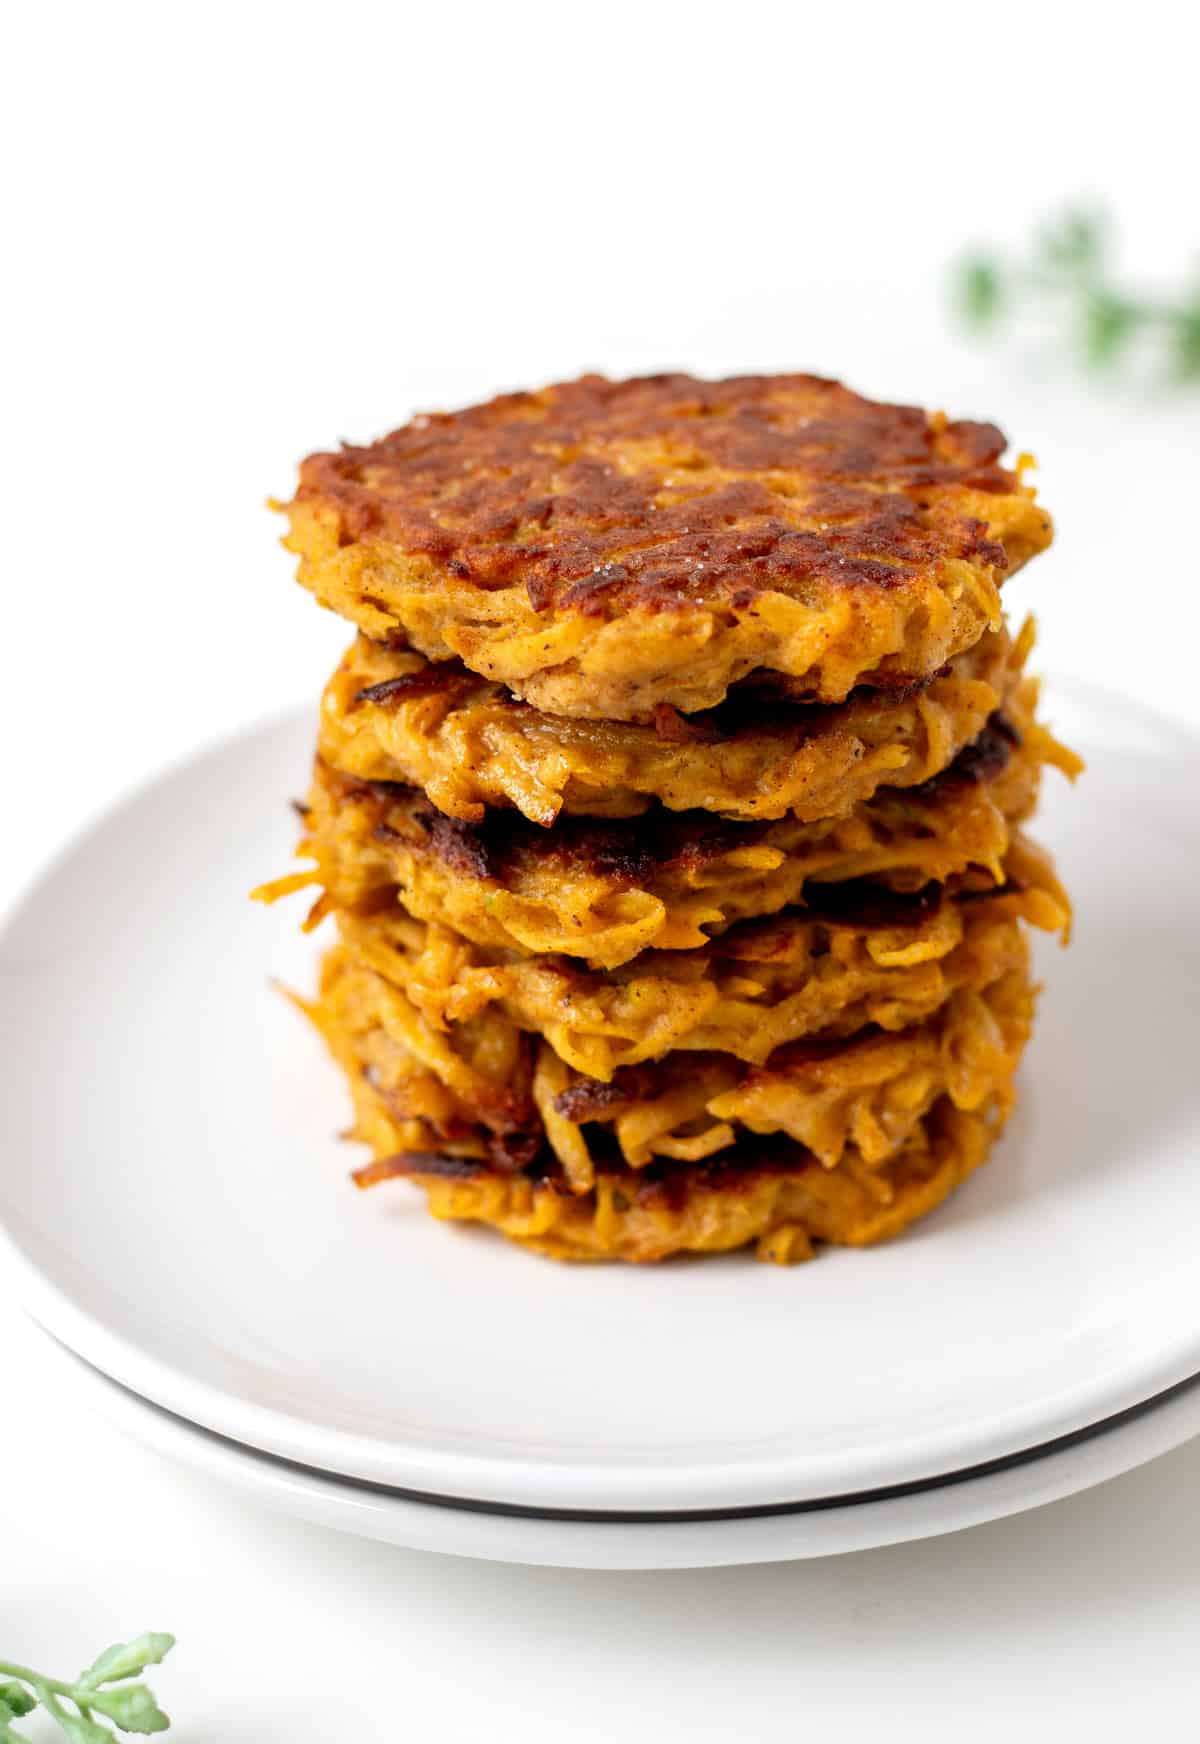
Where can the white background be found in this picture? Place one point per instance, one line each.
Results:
(236, 233)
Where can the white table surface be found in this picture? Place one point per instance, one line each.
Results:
(250, 232)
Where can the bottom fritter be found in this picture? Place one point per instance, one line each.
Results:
(845, 1143)
(782, 1201)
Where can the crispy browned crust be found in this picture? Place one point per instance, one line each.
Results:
(767, 1191)
(388, 714)
(787, 522)
(773, 1197)
(628, 853)
(527, 487)
(669, 881)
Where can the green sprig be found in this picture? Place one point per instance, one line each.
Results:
(1069, 268)
(104, 1689)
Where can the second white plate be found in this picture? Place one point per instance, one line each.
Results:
(391, 1518)
(177, 1210)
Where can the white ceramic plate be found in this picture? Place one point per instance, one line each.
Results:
(177, 1210)
(347, 1506)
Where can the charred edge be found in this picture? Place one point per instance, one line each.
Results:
(514, 1152)
(405, 1164)
(763, 701)
(472, 849)
(586, 592)
(774, 702)
(628, 856)
(859, 902)
(462, 846)
(616, 854)
(662, 1182)
(986, 757)
(1010, 887)
(431, 680)
(582, 1101)
(590, 1099)
(540, 593)
(670, 1182)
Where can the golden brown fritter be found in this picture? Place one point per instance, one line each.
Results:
(666, 881)
(607, 548)
(769, 1193)
(487, 1091)
(870, 957)
(391, 715)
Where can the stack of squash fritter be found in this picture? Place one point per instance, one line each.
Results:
(669, 806)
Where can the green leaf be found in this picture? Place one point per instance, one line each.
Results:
(981, 292)
(132, 1706)
(1108, 322)
(1075, 244)
(126, 1659)
(1185, 340)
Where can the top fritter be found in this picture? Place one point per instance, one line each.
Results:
(609, 549)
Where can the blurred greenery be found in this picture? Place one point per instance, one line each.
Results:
(1068, 274)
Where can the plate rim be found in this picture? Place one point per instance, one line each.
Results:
(1021, 1484)
(255, 1427)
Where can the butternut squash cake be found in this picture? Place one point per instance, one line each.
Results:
(390, 715)
(871, 1086)
(602, 548)
(669, 881)
(669, 806)
(869, 958)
